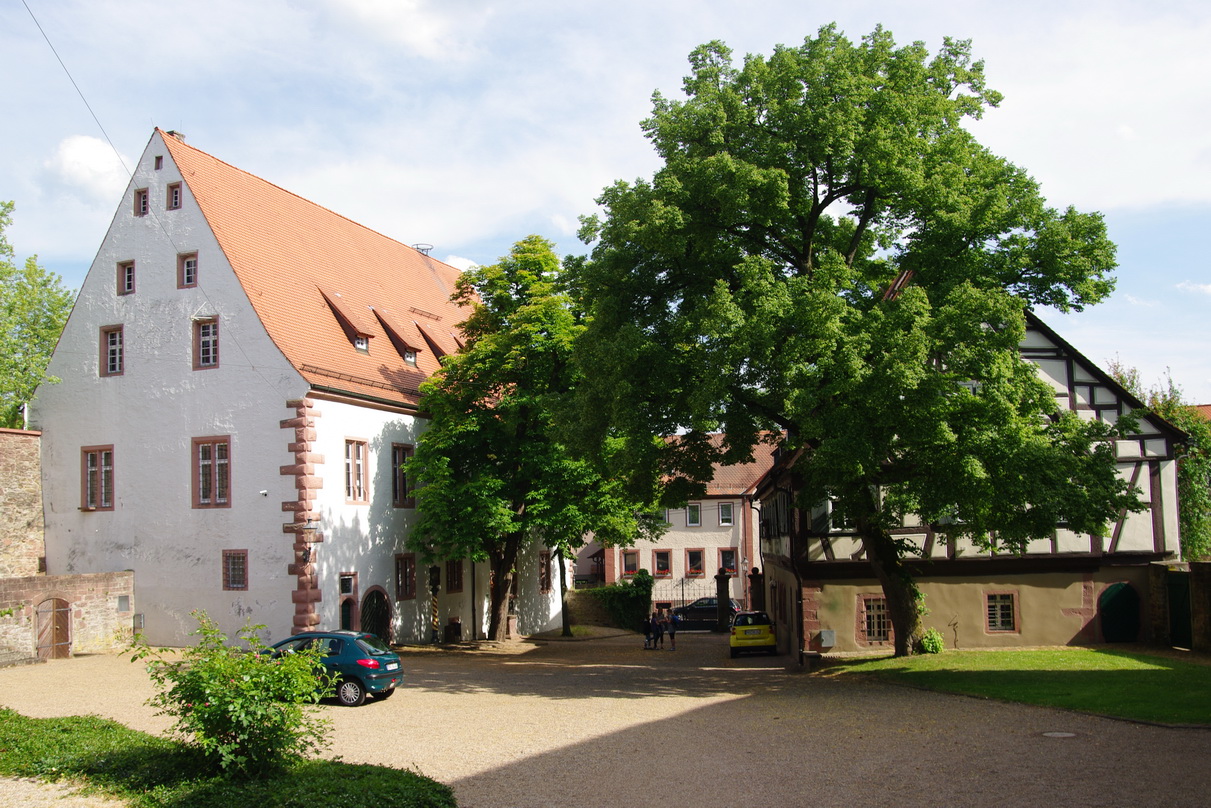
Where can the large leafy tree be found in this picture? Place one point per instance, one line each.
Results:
(33, 308)
(828, 256)
(493, 473)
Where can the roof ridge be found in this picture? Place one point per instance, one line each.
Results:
(172, 142)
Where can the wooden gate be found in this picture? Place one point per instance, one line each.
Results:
(376, 615)
(1181, 633)
(54, 629)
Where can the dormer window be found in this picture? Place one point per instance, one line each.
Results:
(142, 202)
(362, 343)
(410, 357)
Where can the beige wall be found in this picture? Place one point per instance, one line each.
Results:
(1057, 608)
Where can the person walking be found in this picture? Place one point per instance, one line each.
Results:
(671, 628)
(657, 630)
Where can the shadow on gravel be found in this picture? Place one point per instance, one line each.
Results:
(606, 668)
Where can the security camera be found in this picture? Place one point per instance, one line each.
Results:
(264, 493)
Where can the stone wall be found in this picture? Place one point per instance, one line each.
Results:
(22, 551)
(102, 610)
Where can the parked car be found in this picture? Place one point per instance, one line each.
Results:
(752, 631)
(704, 609)
(362, 663)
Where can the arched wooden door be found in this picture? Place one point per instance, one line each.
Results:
(376, 615)
(54, 629)
(1119, 610)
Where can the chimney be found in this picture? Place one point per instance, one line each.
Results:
(178, 135)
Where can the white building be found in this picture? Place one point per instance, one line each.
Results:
(717, 531)
(238, 387)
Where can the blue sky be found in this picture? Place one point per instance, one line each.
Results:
(469, 125)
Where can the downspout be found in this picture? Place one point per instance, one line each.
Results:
(474, 600)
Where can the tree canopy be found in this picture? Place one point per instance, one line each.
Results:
(33, 308)
(492, 469)
(829, 256)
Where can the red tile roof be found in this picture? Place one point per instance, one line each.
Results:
(1205, 409)
(314, 277)
(742, 477)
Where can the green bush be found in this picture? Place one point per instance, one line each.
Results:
(243, 709)
(932, 642)
(629, 602)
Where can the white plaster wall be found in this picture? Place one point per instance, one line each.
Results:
(150, 413)
(364, 538)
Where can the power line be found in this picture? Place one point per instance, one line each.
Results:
(79, 92)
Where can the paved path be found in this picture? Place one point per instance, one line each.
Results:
(606, 723)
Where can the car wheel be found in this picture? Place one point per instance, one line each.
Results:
(386, 694)
(351, 693)
(773, 650)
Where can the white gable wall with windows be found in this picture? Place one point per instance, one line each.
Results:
(150, 410)
(217, 443)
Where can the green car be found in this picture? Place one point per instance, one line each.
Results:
(752, 631)
(362, 663)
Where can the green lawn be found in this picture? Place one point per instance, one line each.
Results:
(1118, 683)
(153, 772)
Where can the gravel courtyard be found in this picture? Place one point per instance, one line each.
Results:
(604, 722)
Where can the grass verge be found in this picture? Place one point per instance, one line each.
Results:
(152, 772)
(1112, 682)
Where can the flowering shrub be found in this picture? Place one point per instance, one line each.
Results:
(244, 709)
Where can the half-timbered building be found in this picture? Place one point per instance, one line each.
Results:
(1066, 588)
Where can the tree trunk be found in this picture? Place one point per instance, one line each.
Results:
(498, 598)
(898, 587)
(557, 557)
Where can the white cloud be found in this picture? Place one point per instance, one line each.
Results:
(458, 262)
(89, 166)
(437, 31)
(1139, 301)
(1190, 286)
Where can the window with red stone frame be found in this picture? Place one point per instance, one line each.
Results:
(235, 570)
(405, 576)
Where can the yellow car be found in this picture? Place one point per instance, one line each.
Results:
(752, 631)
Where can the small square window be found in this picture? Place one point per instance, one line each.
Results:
(693, 514)
(126, 277)
(347, 584)
(235, 570)
(725, 513)
(173, 202)
(142, 202)
(113, 351)
(187, 270)
(159, 161)
(1002, 612)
